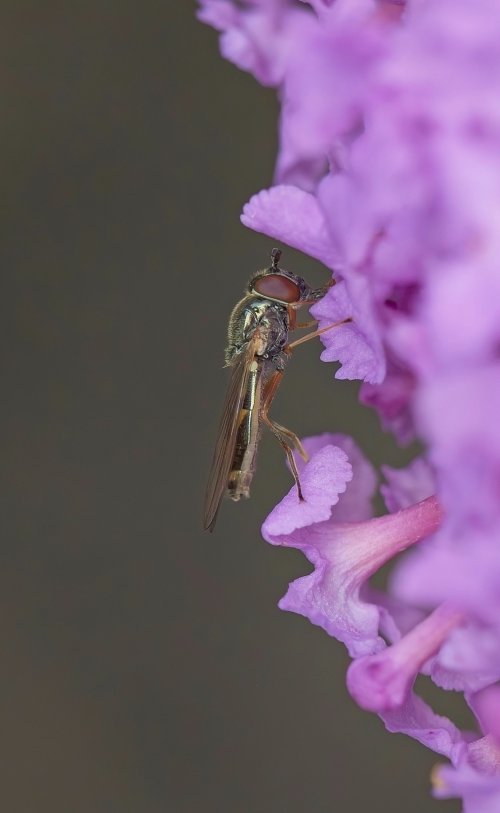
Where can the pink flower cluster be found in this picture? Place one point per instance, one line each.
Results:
(389, 173)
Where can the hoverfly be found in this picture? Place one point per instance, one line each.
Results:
(257, 352)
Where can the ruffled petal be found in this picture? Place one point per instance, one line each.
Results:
(323, 479)
(344, 555)
(356, 503)
(355, 345)
(291, 216)
(417, 720)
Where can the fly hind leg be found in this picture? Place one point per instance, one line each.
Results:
(293, 439)
(289, 454)
(267, 399)
(287, 439)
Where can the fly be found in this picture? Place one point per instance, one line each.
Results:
(257, 352)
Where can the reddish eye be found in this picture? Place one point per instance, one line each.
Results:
(275, 286)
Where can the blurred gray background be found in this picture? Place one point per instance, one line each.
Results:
(145, 666)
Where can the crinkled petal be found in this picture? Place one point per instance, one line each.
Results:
(356, 502)
(417, 720)
(344, 556)
(356, 345)
(291, 216)
(327, 598)
(327, 475)
(322, 479)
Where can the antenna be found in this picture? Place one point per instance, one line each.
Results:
(275, 258)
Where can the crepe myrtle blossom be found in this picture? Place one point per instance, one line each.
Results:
(388, 173)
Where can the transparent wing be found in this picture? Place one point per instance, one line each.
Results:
(227, 434)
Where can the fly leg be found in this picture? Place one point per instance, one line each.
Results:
(314, 296)
(315, 333)
(285, 437)
(289, 454)
(294, 440)
(304, 325)
(267, 398)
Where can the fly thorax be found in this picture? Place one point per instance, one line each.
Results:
(272, 328)
(260, 320)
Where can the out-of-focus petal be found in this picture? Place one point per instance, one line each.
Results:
(417, 720)
(409, 485)
(392, 399)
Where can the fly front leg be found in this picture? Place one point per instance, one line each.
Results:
(305, 325)
(315, 333)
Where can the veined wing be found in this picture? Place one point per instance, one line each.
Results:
(226, 438)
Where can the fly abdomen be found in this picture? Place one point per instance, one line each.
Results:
(243, 465)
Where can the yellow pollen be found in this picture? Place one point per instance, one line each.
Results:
(437, 780)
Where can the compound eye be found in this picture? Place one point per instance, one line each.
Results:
(276, 286)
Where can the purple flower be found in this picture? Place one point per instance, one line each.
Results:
(382, 682)
(310, 58)
(479, 790)
(259, 36)
(388, 172)
(418, 721)
(345, 548)
(475, 774)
